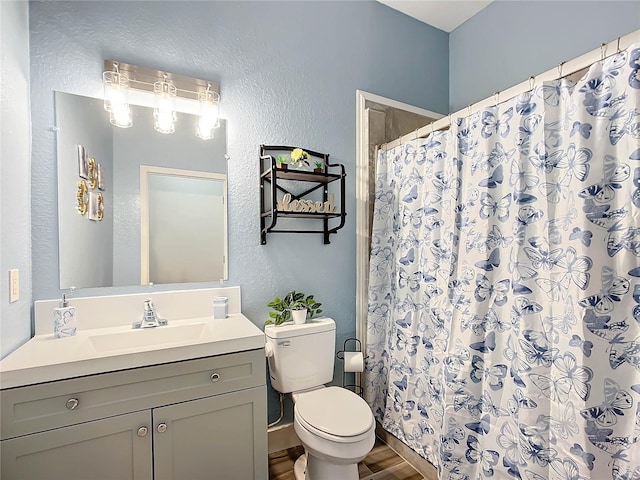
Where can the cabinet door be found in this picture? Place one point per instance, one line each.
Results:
(222, 437)
(109, 449)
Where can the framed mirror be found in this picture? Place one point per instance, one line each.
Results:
(101, 166)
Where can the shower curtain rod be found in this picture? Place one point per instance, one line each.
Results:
(562, 70)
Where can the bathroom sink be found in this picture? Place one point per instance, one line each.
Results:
(147, 337)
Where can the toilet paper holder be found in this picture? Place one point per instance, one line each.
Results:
(357, 389)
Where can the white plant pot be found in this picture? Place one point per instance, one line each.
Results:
(299, 316)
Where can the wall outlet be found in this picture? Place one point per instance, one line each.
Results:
(14, 285)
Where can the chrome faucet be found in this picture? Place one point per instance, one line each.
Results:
(149, 318)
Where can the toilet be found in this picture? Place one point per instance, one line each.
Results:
(336, 426)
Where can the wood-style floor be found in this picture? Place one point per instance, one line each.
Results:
(382, 463)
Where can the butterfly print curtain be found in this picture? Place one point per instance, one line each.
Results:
(504, 291)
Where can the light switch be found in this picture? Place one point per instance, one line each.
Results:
(14, 285)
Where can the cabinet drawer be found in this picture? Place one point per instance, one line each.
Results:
(45, 406)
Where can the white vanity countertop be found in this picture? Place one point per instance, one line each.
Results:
(45, 358)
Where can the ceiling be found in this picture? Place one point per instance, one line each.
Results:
(446, 15)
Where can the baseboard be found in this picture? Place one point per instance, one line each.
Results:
(422, 466)
(282, 437)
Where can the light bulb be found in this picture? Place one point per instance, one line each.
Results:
(209, 114)
(116, 98)
(164, 121)
(164, 112)
(120, 116)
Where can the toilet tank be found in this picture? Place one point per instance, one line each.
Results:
(302, 356)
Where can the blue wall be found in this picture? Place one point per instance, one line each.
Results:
(509, 41)
(288, 73)
(15, 174)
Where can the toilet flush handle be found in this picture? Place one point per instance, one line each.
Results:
(268, 350)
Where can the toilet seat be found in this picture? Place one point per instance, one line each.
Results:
(335, 414)
(329, 437)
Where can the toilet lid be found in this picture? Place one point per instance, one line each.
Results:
(335, 411)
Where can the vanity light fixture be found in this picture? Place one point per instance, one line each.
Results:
(167, 93)
(116, 97)
(164, 113)
(209, 113)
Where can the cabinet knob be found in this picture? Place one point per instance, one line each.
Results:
(215, 377)
(72, 403)
(162, 427)
(142, 431)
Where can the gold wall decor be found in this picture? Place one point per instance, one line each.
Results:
(100, 207)
(82, 197)
(83, 162)
(93, 173)
(92, 212)
(101, 178)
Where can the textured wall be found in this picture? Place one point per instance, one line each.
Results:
(288, 72)
(508, 41)
(15, 174)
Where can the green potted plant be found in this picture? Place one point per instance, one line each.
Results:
(299, 312)
(281, 162)
(318, 166)
(282, 308)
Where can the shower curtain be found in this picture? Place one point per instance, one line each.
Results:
(503, 330)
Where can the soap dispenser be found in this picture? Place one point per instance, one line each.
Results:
(64, 319)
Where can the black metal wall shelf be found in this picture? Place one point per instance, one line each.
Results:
(277, 179)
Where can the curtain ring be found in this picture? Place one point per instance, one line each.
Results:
(618, 46)
(416, 134)
(496, 95)
(560, 65)
(449, 120)
(603, 48)
(431, 124)
(469, 111)
(532, 82)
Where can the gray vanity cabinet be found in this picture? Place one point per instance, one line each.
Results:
(107, 448)
(196, 419)
(184, 433)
